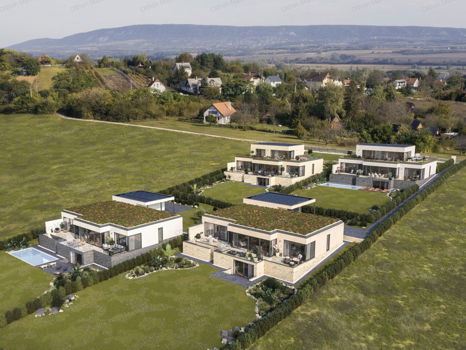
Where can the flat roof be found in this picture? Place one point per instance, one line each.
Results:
(280, 198)
(276, 144)
(384, 145)
(118, 213)
(144, 196)
(269, 219)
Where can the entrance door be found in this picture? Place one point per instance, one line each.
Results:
(243, 269)
(262, 181)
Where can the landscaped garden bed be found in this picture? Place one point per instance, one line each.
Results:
(268, 294)
(161, 263)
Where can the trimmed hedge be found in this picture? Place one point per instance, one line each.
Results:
(16, 240)
(306, 289)
(444, 165)
(55, 296)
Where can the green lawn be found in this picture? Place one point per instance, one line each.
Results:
(47, 164)
(190, 217)
(19, 282)
(166, 310)
(343, 199)
(232, 191)
(329, 158)
(406, 292)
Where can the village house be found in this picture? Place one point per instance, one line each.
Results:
(156, 86)
(191, 86)
(253, 79)
(316, 80)
(221, 111)
(273, 80)
(399, 84)
(186, 66)
(413, 83)
(212, 83)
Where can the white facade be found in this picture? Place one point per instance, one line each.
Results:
(157, 86)
(186, 66)
(273, 164)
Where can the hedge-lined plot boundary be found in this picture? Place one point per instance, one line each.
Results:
(57, 294)
(306, 289)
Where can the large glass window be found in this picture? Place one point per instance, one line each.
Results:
(244, 269)
(134, 242)
(295, 171)
(258, 246)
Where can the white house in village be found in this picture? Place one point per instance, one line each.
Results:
(157, 86)
(77, 59)
(222, 111)
(273, 80)
(253, 79)
(108, 233)
(186, 66)
(400, 84)
(316, 80)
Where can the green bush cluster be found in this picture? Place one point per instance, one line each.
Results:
(444, 165)
(79, 279)
(269, 293)
(21, 240)
(306, 289)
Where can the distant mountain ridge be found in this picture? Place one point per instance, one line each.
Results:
(167, 39)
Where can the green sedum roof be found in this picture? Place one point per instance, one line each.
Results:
(119, 213)
(269, 219)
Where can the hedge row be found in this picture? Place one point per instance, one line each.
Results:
(16, 241)
(444, 165)
(187, 187)
(348, 217)
(306, 289)
(322, 177)
(55, 296)
(192, 199)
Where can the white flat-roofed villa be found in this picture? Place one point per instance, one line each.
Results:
(385, 166)
(255, 241)
(107, 233)
(279, 201)
(272, 164)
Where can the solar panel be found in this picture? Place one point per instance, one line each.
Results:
(279, 198)
(144, 196)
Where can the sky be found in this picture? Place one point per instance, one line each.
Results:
(22, 20)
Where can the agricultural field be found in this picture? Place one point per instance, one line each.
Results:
(19, 282)
(343, 199)
(406, 292)
(49, 163)
(114, 80)
(44, 78)
(167, 310)
(232, 191)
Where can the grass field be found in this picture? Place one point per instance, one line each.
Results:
(166, 310)
(343, 199)
(172, 123)
(406, 292)
(47, 163)
(232, 192)
(44, 78)
(190, 216)
(19, 282)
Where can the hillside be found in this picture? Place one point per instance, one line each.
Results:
(170, 39)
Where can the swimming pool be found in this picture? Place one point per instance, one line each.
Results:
(347, 187)
(33, 256)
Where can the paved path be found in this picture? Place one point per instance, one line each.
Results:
(314, 147)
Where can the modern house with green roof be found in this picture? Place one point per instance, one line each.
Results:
(110, 232)
(255, 241)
